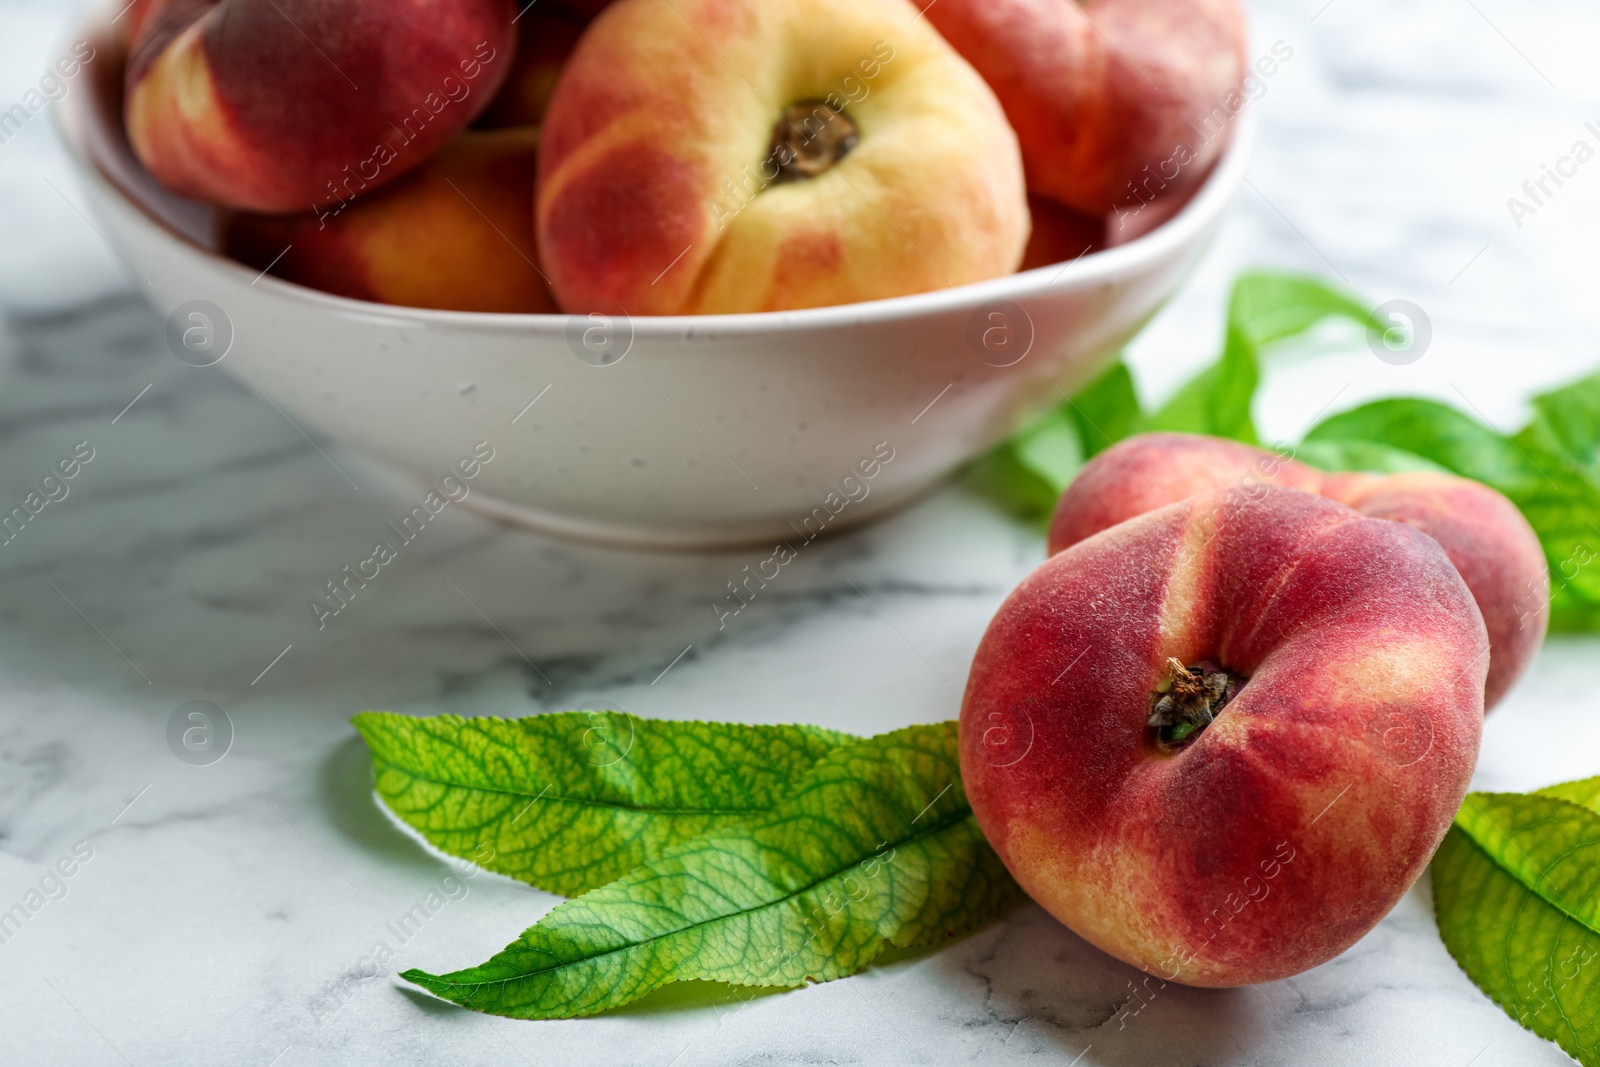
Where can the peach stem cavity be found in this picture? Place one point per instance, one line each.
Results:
(1188, 700)
(809, 138)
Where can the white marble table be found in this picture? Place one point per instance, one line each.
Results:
(222, 904)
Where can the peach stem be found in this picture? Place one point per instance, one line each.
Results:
(809, 138)
(1187, 701)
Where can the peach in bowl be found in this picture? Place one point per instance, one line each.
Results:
(668, 430)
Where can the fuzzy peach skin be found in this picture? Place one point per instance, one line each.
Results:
(1288, 827)
(654, 187)
(456, 233)
(287, 105)
(1482, 532)
(1113, 100)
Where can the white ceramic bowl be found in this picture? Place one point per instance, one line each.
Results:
(711, 430)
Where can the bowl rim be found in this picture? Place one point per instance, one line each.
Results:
(1100, 267)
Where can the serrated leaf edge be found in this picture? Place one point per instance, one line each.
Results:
(434, 983)
(1483, 847)
(1492, 994)
(838, 736)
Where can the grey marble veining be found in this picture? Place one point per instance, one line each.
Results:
(227, 913)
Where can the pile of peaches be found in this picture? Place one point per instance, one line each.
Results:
(676, 156)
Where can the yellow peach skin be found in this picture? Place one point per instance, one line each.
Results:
(456, 233)
(659, 187)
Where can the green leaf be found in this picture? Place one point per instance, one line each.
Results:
(1052, 450)
(877, 845)
(1550, 470)
(1571, 418)
(1331, 455)
(1561, 501)
(1584, 792)
(1216, 401)
(1554, 491)
(1027, 473)
(1266, 307)
(1001, 477)
(1436, 432)
(1516, 888)
(1105, 411)
(575, 799)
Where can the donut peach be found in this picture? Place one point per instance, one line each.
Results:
(709, 156)
(1114, 101)
(289, 105)
(1222, 739)
(1482, 532)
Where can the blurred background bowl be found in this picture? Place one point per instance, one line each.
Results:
(668, 432)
